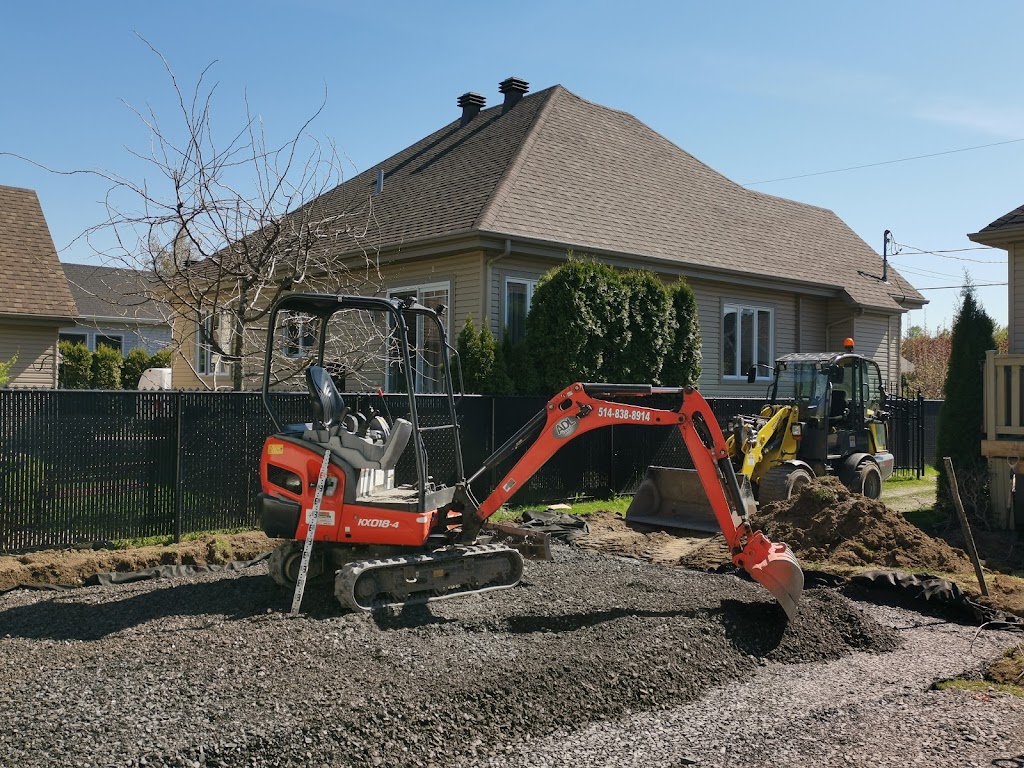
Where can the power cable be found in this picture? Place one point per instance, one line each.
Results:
(973, 285)
(884, 162)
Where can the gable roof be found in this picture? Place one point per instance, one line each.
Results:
(113, 293)
(32, 283)
(1007, 227)
(560, 170)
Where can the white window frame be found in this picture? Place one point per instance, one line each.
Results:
(764, 371)
(207, 362)
(531, 285)
(300, 349)
(419, 291)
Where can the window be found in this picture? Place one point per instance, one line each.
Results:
(213, 332)
(299, 336)
(747, 340)
(518, 299)
(75, 338)
(114, 342)
(424, 344)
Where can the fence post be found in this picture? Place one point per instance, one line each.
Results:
(178, 495)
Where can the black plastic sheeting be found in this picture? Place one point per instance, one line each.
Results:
(560, 525)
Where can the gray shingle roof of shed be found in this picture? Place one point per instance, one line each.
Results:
(31, 281)
(560, 169)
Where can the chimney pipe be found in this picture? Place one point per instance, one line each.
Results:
(471, 104)
(513, 88)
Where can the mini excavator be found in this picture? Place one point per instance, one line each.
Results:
(392, 543)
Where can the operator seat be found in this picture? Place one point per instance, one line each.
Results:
(838, 409)
(358, 452)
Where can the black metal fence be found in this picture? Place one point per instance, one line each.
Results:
(92, 466)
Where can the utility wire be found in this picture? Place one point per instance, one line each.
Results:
(974, 285)
(945, 254)
(884, 162)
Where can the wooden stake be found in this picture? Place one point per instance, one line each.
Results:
(968, 537)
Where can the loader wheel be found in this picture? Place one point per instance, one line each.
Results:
(782, 483)
(869, 480)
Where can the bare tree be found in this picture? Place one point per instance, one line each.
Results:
(223, 227)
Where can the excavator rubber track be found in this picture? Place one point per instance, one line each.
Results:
(427, 577)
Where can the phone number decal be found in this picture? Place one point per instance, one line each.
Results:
(626, 414)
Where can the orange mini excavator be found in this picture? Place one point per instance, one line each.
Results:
(388, 526)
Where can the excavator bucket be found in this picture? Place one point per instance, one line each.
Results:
(672, 498)
(777, 570)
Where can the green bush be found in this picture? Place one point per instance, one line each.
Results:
(483, 369)
(576, 316)
(682, 364)
(75, 366)
(135, 363)
(959, 431)
(5, 370)
(106, 368)
(650, 325)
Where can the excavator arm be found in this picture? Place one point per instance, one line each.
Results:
(578, 409)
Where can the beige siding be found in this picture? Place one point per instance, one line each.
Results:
(871, 338)
(711, 296)
(501, 270)
(813, 317)
(463, 273)
(36, 348)
(1016, 299)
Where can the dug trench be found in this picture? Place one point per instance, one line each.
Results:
(208, 669)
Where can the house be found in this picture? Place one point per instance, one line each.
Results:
(115, 309)
(35, 301)
(473, 214)
(1004, 375)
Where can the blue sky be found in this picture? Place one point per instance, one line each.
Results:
(759, 91)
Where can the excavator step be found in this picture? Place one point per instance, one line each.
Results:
(423, 578)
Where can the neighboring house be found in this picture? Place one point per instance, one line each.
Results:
(35, 301)
(115, 310)
(1004, 380)
(473, 214)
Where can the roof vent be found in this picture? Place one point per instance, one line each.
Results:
(513, 88)
(471, 104)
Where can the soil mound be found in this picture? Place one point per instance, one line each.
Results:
(827, 523)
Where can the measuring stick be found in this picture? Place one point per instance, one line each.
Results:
(307, 548)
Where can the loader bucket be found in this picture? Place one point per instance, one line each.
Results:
(672, 498)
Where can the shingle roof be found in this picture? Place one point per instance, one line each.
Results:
(560, 169)
(112, 292)
(31, 281)
(1012, 220)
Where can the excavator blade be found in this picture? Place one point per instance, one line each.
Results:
(778, 571)
(672, 498)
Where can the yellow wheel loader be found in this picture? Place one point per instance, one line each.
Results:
(825, 415)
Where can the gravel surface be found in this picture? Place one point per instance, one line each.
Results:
(591, 661)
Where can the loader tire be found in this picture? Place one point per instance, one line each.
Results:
(868, 480)
(782, 483)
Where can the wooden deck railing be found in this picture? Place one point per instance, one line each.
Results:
(1004, 405)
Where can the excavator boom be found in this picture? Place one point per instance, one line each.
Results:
(577, 409)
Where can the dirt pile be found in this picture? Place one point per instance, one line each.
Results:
(828, 524)
(73, 566)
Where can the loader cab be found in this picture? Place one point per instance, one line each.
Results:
(841, 404)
